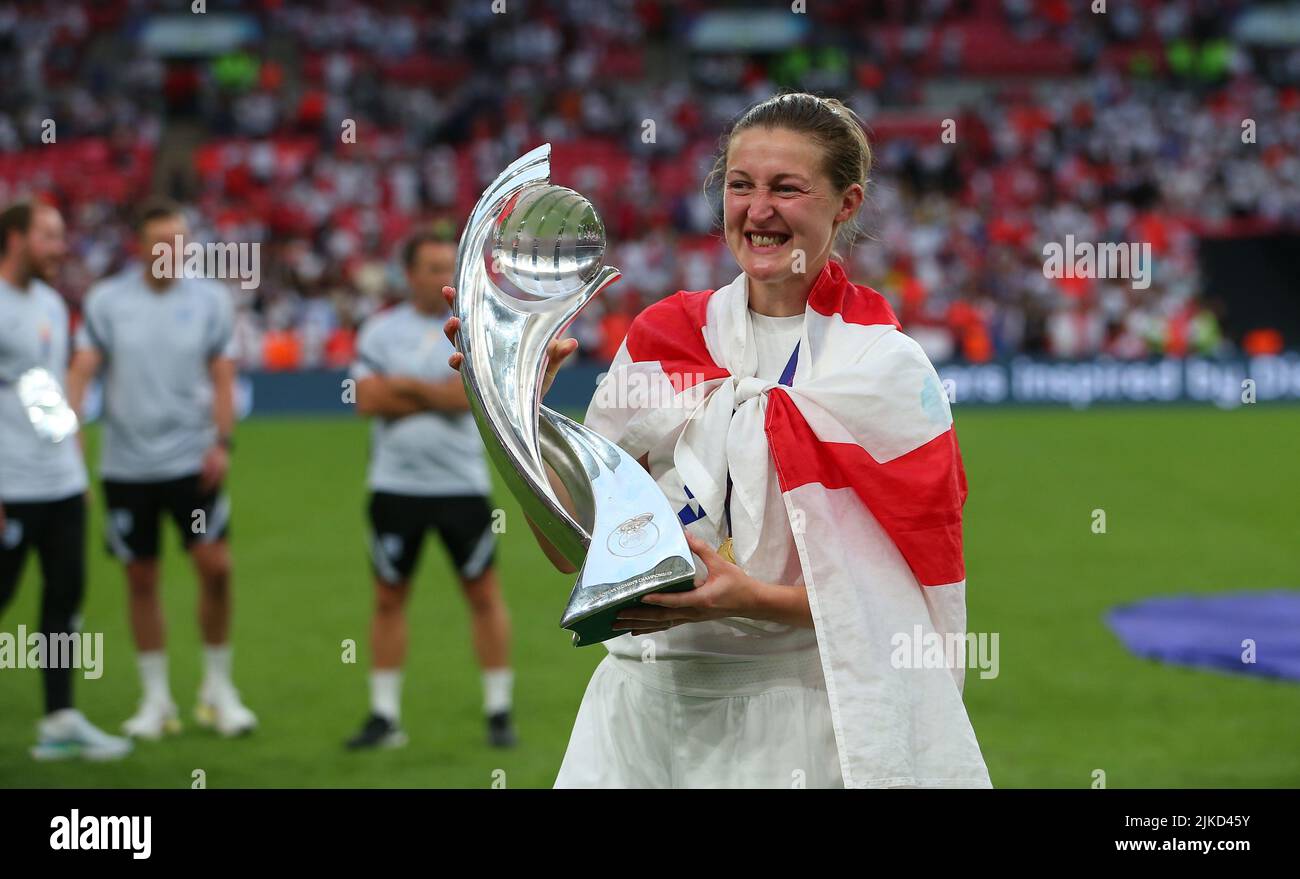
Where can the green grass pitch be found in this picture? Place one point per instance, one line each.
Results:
(1197, 500)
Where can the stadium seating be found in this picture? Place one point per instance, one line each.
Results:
(1115, 142)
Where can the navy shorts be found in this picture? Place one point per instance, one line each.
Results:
(398, 523)
(135, 508)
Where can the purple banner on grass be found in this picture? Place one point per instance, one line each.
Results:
(1208, 631)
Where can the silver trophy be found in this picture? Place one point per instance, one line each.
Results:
(529, 260)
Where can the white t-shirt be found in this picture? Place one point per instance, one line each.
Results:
(158, 347)
(428, 454)
(735, 638)
(775, 338)
(33, 333)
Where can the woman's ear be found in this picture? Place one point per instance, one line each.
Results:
(849, 203)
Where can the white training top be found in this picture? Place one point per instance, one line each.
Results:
(427, 454)
(735, 638)
(158, 347)
(33, 333)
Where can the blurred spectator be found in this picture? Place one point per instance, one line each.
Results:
(368, 119)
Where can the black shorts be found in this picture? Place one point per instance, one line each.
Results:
(398, 523)
(134, 508)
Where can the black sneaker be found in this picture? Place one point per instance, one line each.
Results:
(377, 732)
(500, 733)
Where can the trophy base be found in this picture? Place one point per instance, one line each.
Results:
(595, 624)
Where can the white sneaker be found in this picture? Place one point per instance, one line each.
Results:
(219, 708)
(153, 719)
(66, 734)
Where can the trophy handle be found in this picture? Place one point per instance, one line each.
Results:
(505, 331)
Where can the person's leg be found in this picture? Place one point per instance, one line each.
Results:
(60, 546)
(145, 608)
(202, 518)
(131, 533)
(465, 525)
(382, 728)
(388, 638)
(396, 537)
(397, 526)
(491, 625)
(14, 541)
(212, 565)
(219, 701)
(388, 626)
(490, 622)
(157, 712)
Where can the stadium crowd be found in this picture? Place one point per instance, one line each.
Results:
(998, 127)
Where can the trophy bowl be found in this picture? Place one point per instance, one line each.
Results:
(548, 242)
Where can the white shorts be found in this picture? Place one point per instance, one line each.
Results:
(759, 723)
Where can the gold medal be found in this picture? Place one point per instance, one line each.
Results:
(725, 550)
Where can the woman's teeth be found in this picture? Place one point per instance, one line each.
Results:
(759, 240)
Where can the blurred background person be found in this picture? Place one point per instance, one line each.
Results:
(42, 483)
(427, 472)
(163, 344)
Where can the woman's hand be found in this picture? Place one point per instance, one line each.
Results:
(556, 352)
(727, 592)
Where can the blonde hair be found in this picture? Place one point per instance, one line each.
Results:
(833, 126)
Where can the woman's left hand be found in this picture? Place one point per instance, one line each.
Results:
(727, 592)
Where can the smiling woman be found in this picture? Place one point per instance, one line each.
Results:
(819, 494)
(819, 481)
(794, 170)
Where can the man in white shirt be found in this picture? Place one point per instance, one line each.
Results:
(164, 346)
(42, 478)
(428, 472)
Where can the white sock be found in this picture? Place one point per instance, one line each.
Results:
(386, 693)
(497, 683)
(216, 668)
(153, 675)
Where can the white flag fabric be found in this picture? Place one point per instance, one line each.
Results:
(859, 434)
